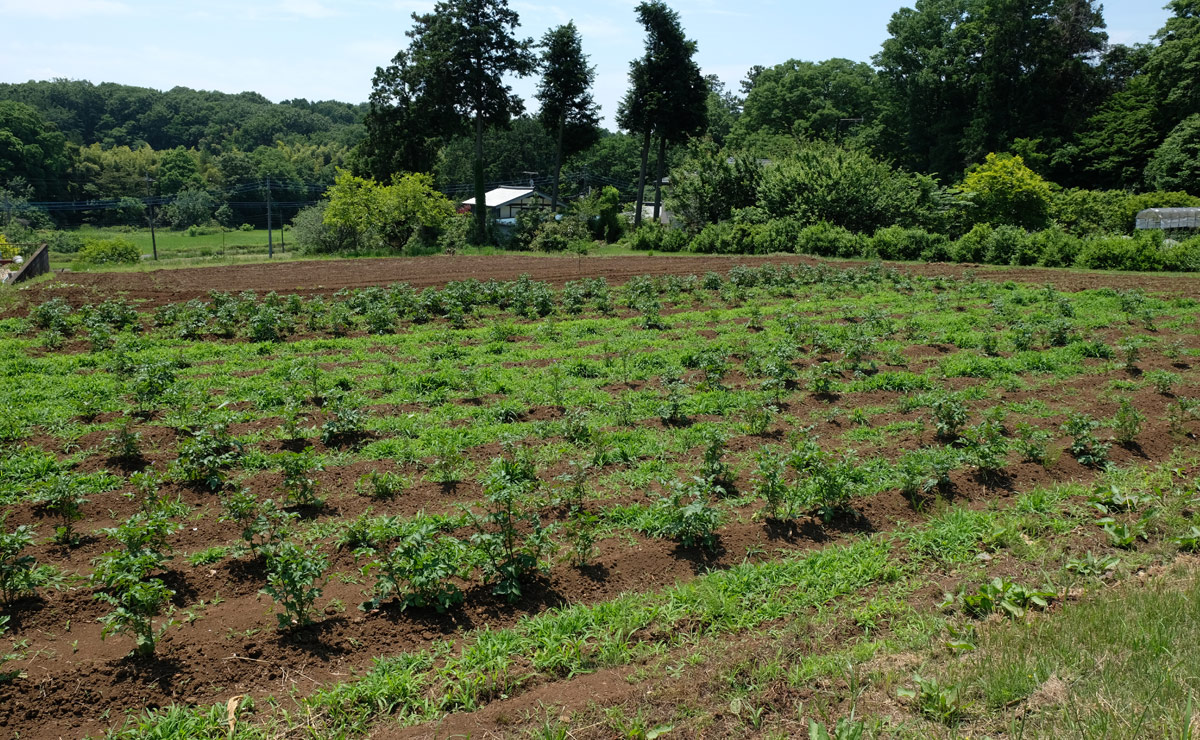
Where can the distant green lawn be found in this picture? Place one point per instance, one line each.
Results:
(178, 246)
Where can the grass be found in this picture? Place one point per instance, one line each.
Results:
(518, 371)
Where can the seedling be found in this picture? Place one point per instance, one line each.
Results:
(942, 703)
(20, 575)
(1085, 446)
(1128, 422)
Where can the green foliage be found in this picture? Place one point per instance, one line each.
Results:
(687, 516)
(109, 252)
(845, 188)
(20, 575)
(1128, 422)
(509, 557)
(385, 216)
(949, 415)
(419, 570)
(62, 496)
(1006, 597)
(294, 581)
(299, 487)
(937, 701)
(1085, 446)
(205, 456)
(1006, 192)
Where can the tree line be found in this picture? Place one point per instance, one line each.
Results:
(955, 81)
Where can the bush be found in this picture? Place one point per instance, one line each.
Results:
(648, 237)
(1143, 252)
(778, 235)
(726, 237)
(826, 240)
(1056, 248)
(64, 242)
(899, 243)
(845, 187)
(560, 236)
(110, 252)
(311, 235)
(1006, 192)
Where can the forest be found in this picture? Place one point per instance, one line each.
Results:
(1089, 129)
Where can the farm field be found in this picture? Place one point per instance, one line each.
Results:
(590, 498)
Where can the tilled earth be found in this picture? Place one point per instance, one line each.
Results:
(76, 684)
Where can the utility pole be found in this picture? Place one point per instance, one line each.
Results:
(270, 242)
(150, 201)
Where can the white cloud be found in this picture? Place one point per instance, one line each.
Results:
(62, 9)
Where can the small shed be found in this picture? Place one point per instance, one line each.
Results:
(507, 202)
(1169, 218)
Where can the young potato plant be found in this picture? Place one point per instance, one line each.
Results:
(294, 580)
(62, 497)
(20, 575)
(419, 570)
(509, 557)
(136, 598)
(769, 482)
(1085, 446)
(206, 455)
(299, 487)
(686, 515)
(264, 525)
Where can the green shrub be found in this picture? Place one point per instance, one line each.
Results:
(726, 237)
(110, 252)
(64, 242)
(826, 240)
(899, 243)
(1004, 191)
(1056, 248)
(1142, 252)
(560, 236)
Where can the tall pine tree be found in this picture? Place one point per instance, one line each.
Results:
(568, 110)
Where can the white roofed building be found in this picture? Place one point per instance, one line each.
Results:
(507, 202)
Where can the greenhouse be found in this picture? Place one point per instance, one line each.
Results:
(1169, 218)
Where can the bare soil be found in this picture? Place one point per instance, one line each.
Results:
(78, 684)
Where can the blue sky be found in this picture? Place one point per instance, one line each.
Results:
(328, 49)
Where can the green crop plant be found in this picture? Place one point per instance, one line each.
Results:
(294, 580)
(205, 456)
(62, 497)
(17, 653)
(712, 464)
(830, 487)
(1092, 565)
(1006, 597)
(686, 515)
(125, 583)
(1085, 446)
(1189, 541)
(20, 575)
(345, 420)
(822, 378)
(1127, 423)
(447, 462)
(151, 382)
(263, 524)
(769, 481)
(1163, 380)
(673, 410)
(298, 484)
(385, 485)
(1121, 534)
(1032, 443)
(418, 571)
(986, 446)
(1114, 499)
(759, 417)
(146, 533)
(124, 444)
(574, 492)
(510, 556)
(580, 529)
(949, 415)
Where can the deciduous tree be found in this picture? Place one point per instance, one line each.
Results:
(568, 110)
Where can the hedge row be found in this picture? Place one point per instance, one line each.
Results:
(1003, 245)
